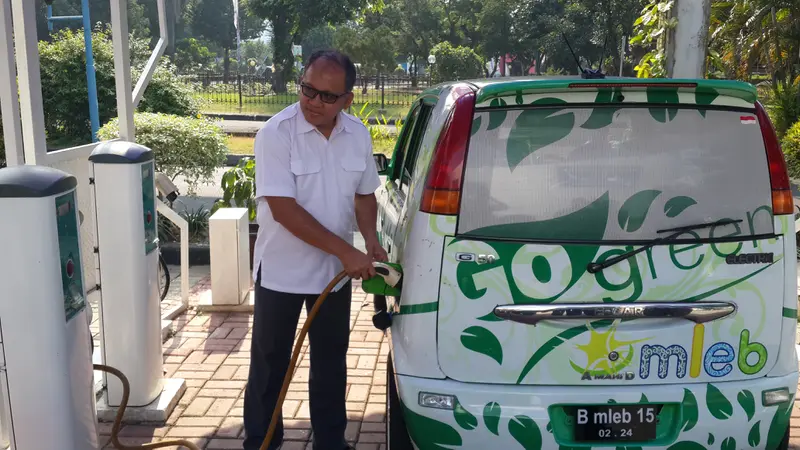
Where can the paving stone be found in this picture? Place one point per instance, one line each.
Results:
(212, 353)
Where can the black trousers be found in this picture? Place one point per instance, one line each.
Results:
(274, 329)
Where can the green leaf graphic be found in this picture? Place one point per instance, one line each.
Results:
(430, 434)
(717, 404)
(489, 318)
(728, 444)
(676, 205)
(481, 340)
(518, 99)
(476, 125)
(780, 421)
(686, 445)
(491, 417)
(666, 97)
(629, 448)
(690, 410)
(524, 430)
(705, 97)
(464, 418)
(748, 403)
(496, 118)
(710, 439)
(634, 211)
(754, 437)
(537, 128)
(601, 116)
(644, 399)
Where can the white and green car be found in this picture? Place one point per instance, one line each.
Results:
(590, 263)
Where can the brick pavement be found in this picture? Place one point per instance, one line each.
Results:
(211, 351)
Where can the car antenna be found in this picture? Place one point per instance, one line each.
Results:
(586, 73)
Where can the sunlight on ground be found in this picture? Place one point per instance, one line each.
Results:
(243, 145)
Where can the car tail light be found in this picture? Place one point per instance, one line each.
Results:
(782, 202)
(442, 194)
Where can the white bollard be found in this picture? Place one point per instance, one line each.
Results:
(127, 241)
(230, 256)
(46, 357)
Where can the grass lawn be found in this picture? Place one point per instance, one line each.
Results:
(225, 103)
(243, 145)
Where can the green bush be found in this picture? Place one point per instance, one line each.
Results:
(65, 93)
(456, 63)
(191, 147)
(239, 188)
(782, 100)
(791, 150)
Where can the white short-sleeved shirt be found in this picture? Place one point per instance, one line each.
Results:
(293, 159)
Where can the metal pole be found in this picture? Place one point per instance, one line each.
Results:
(122, 69)
(9, 98)
(26, 43)
(91, 81)
(622, 54)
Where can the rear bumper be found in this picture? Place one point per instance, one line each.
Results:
(706, 412)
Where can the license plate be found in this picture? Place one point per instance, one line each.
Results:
(635, 423)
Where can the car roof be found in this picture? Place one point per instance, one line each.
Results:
(494, 87)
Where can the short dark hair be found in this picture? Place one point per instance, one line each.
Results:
(341, 60)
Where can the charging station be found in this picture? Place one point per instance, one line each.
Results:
(130, 307)
(46, 380)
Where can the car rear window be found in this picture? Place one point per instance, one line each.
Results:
(614, 173)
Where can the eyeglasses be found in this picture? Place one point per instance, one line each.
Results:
(326, 97)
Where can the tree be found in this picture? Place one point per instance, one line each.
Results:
(139, 22)
(454, 63)
(318, 38)
(495, 30)
(371, 48)
(291, 20)
(418, 26)
(213, 20)
(192, 55)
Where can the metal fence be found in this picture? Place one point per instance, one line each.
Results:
(247, 91)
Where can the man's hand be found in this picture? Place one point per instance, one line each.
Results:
(375, 250)
(357, 265)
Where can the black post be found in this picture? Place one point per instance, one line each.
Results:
(239, 81)
(383, 84)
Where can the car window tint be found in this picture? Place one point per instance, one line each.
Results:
(615, 173)
(420, 126)
(405, 142)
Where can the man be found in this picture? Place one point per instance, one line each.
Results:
(314, 175)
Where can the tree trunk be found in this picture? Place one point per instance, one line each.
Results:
(284, 59)
(413, 71)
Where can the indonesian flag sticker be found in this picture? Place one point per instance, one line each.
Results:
(747, 120)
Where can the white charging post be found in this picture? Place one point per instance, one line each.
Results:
(130, 310)
(46, 358)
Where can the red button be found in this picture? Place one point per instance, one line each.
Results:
(70, 268)
(149, 217)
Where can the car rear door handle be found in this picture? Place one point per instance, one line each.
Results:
(699, 312)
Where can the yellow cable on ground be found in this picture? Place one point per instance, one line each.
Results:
(288, 378)
(121, 411)
(278, 406)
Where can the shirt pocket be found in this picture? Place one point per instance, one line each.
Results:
(350, 176)
(307, 175)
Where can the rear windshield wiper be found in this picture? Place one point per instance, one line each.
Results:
(596, 267)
